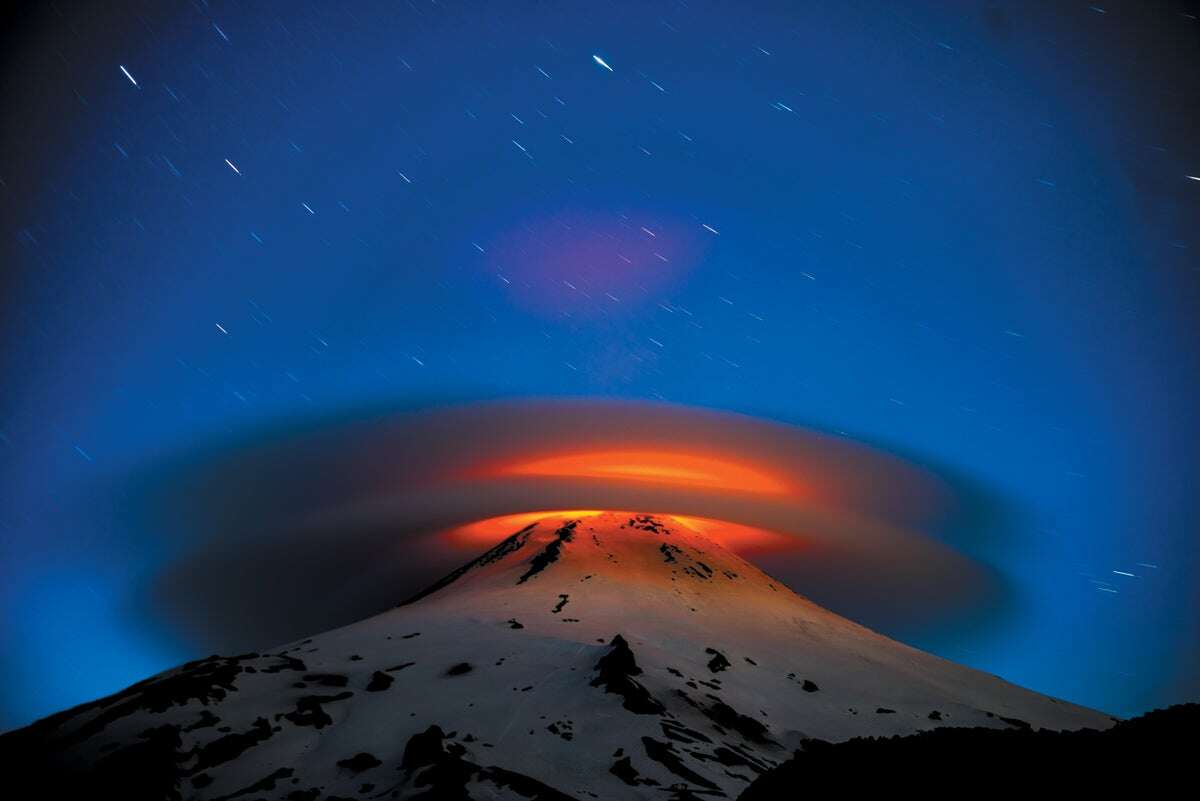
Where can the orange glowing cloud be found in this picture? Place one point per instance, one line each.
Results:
(486, 533)
(481, 534)
(740, 538)
(676, 468)
(848, 524)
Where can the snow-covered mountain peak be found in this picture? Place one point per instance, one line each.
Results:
(599, 655)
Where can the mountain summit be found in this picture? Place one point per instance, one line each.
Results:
(608, 655)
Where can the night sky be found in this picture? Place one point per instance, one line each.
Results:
(964, 234)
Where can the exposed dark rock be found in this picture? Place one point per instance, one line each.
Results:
(311, 712)
(624, 770)
(648, 523)
(359, 762)
(522, 785)
(680, 733)
(284, 663)
(423, 748)
(327, 679)
(619, 659)
(809, 686)
(379, 682)
(615, 672)
(459, 669)
(731, 757)
(550, 553)
(562, 601)
(506, 546)
(718, 662)
(563, 728)
(666, 755)
(727, 717)
(231, 746)
(442, 775)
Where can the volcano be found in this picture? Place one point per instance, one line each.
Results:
(612, 656)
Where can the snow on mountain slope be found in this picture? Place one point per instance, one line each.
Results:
(604, 656)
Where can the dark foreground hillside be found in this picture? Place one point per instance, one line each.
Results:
(1160, 746)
